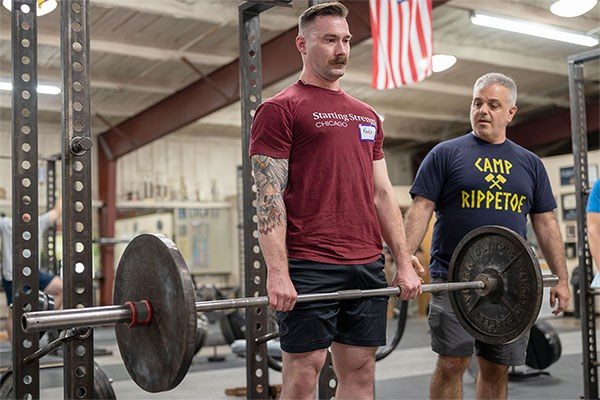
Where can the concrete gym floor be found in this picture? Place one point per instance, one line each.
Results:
(402, 375)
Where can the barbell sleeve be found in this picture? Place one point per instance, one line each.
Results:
(550, 280)
(106, 315)
(75, 317)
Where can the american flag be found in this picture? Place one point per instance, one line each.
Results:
(402, 42)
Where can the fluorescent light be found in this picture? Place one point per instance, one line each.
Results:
(41, 88)
(442, 62)
(47, 6)
(533, 29)
(572, 8)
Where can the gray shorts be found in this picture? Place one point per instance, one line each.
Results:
(450, 339)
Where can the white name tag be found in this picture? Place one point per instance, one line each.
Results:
(367, 132)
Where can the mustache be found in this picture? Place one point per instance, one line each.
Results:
(341, 59)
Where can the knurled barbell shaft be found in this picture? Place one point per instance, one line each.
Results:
(227, 304)
(107, 315)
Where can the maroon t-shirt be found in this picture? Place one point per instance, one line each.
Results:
(331, 141)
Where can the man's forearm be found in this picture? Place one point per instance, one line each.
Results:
(548, 235)
(594, 242)
(274, 250)
(417, 222)
(593, 224)
(270, 176)
(390, 222)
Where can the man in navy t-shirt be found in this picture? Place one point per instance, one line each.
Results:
(481, 178)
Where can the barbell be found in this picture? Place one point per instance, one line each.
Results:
(495, 289)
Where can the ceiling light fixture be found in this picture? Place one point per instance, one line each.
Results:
(41, 88)
(442, 62)
(572, 8)
(533, 29)
(43, 7)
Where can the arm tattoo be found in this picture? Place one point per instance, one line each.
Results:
(270, 176)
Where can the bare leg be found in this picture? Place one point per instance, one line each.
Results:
(9, 324)
(492, 381)
(301, 374)
(446, 382)
(355, 370)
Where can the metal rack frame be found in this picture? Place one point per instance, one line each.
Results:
(77, 192)
(580, 153)
(49, 244)
(257, 370)
(24, 194)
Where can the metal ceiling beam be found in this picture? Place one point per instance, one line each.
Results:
(501, 58)
(47, 128)
(552, 128)
(52, 103)
(430, 85)
(214, 12)
(497, 57)
(52, 76)
(147, 52)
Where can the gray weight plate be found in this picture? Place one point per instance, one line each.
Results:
(159, 355)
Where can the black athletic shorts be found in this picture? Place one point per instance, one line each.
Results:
(44, 281)
(315, 325)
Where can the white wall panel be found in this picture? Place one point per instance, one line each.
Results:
(189, 166)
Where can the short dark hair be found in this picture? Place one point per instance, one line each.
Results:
(310, 14)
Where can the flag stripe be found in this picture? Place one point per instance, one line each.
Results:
(402, 42)
(405, 14)
(375, 51)
(395, 53)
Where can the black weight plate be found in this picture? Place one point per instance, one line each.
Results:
(102, 385)
(103, 389)
(159, 355)
(6, 385)
(233, 326)
(544, 347)
(507, 315)
(401, 308)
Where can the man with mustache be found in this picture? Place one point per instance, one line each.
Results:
(481, 178)
(324, 201)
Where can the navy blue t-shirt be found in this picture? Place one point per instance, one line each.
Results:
(475, 183)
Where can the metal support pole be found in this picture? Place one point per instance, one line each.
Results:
(240, 226)
(77, 192)
(24, 194)
(50, 234)
(580, 149)
(257, 370)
